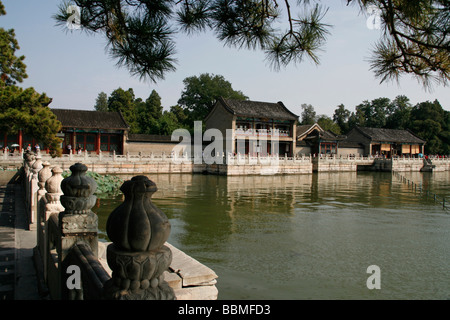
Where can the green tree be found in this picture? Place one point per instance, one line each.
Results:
(124, 102)
(327, 124)
(27, 110)
(168, 123)
(12, 68)
(340, 117)
(399, 114)
(308, 114)
(370, 114)
(23, 109)
(141, 33)
(101, 103)
(200, 93)
(180, 115)
(376, 115)
(149, 114)
(431, 122)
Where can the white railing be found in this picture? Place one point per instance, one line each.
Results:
(262, 132)
(239, 159)
(346, 158)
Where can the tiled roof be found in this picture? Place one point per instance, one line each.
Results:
(138, 137)
(304, 128)
(70, 118)
(258, 109)
(390, 135)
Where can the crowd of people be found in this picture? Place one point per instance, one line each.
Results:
(15, 148)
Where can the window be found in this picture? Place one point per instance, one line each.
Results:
(109, 142)
(328, 148)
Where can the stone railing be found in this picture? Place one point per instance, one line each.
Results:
(239, 159)
(334, 157)
(137, 265)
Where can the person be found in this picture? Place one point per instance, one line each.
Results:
(29, 147)
(69, 147)
(37, 147)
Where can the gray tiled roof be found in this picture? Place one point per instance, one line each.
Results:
(258, 109)
(389, 135)
(70, 118)
(140, 137)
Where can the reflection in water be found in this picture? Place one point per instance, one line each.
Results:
(310, 236)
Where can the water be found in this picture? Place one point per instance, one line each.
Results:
(310, 236)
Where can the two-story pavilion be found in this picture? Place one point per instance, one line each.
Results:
(256, 127)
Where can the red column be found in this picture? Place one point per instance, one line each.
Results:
(20, 142)
(97, 147)
(73, 141)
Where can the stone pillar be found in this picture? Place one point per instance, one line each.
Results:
(29, 158)
(77, 223)
(138, 256)
(35, 168)
(43, 176)
(52, 206)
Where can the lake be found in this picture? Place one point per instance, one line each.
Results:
(310, 236)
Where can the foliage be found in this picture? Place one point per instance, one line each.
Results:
(149, 114)
(12, 68)
(415, 40)
(340, 117)
(101, 103)
(141, 33)
(107, 185)
(327, 124)
(123, 101)
(372, 114)
(200, 93)
(308, 114)
(28, 110)
(432, 123)
(23, 109)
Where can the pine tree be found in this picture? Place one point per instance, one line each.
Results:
(12, 68)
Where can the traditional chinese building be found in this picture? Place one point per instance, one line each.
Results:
(254, 126)
(312, 139)
(92, 130)
(386, 142)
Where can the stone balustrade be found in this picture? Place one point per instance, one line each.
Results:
(238, 164)
(137, 265)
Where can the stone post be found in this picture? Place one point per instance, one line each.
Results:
(138, 256)
(29, 158)
(77, 223)
(35, 168)
(52, 206)
(43, 176)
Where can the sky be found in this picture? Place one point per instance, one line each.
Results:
(74, 67)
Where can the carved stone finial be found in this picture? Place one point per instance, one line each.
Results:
(77, 222)
(37, 165)
(44, 174)
(138, 257)
(137, 224)
(53, 185)
(78, 191)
